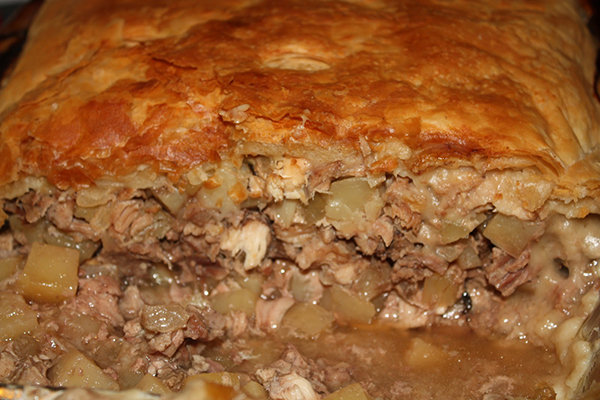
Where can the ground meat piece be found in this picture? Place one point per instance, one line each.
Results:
(35, 205)
(278, 281)
(99, 297)
(61, 214)
(237, 323)
(320, 178)
(507, 273)
(252, 239)
(400, 195)
(498, 385)
(270, 312)
(124, 213)
(167, 343)
(33, 372)
(204, 324)
(7, 245)
(485, 306)
(131, 303)
(8, 364)
(133, 328)
(419, 262)
(336, 376)
(292, 364)
(290, 387)
(339, 260)
(403, 314)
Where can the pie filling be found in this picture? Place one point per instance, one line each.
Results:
(286, 277)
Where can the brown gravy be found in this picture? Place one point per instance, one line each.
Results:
(438, 363)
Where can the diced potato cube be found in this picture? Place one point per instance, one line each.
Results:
(305, 287)
(128, 377)
(372, 282)
(469, 259)
(306, 320)
(252, 281)
(161, 275)
(228, 379)
(350, 307)
(77, 328)
(16, 317)
(314, 211)
(439, 292)
(451, 232)
(350, 392)
(152, 384)
(50, 273)
(510, 233)
(8, 266)
(263, 353)
(235, 300)
(284, 212)
(85, 213)
(94, 196)
(325, 300)
(422, 354)
(255, 390)
(86, 248)
(32, 232)
(348, 198)
(197, 388)
(174, 200)
(73, 369)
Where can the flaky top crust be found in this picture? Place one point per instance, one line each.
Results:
(106, 86)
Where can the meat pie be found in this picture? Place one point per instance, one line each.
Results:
(184, 182)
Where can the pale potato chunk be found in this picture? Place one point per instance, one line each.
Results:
(440, 292)
(235, 300)
(469, 259)
(50, 273)
(16, 317)
(452, 231)
(228, 379)
(422, 354)
(152, 384)
(251, 281)
(8, 266)
(350, 392)
(284, 212)
(255, 390)
(306, 320)
(372, 282)
(510, 233)
(174, 200)
(73, 369)
(350, 307)
(348, 198)
(315, 210)
(197, 388)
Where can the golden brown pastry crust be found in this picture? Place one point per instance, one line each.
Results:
(101, 90)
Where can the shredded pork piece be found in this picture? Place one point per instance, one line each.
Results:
(252, 239)
(270, 312)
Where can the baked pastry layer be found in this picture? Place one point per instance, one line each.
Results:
(100, 90)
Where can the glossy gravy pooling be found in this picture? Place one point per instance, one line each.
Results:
(439, 363)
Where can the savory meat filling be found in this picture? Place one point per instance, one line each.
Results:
(171, 279)
(299, 199)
